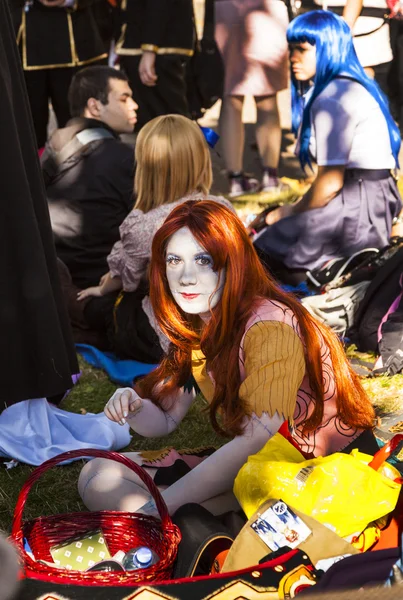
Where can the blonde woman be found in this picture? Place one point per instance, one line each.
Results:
(173, 165)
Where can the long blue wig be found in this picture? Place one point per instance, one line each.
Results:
(335, 55)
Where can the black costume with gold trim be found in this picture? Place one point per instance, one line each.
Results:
(165, 27)
(162, 26)
(54, 43)
(50, 38)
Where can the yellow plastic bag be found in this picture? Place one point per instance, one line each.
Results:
(339, 490)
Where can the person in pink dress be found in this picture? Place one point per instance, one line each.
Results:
(251, 36)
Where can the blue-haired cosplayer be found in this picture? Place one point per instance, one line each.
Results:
(343, 124)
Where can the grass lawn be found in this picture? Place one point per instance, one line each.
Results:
(56, 492)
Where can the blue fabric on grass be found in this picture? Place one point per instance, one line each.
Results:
(118, 370)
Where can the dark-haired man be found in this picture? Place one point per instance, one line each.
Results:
(88, 172)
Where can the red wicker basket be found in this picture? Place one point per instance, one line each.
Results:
(122, 531)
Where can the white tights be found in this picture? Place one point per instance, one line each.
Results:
(268, 131)
(107, 485)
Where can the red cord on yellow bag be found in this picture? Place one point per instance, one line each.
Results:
(384, 453)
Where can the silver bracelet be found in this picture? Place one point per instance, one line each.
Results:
(397, 220)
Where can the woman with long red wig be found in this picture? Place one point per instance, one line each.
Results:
(255, 353)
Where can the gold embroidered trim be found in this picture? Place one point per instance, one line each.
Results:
(128, 51)
(19, 34)
(183, 51)
(81, 63)
(24, 40)
(161, 51)
(74, 56)
(149, 48)
(121, 39)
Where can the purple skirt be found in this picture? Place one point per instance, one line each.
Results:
(360, 216)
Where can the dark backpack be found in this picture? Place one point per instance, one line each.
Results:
(378, 325)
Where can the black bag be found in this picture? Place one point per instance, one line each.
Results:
(205, 70)
(383, 290)
(353, 572)
(204, 536)
(340, 272)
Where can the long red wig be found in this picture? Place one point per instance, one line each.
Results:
(224, 237)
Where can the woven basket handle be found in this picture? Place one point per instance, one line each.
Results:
(385, 452)
(16, 532)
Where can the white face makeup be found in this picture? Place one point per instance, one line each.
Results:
(195, 286)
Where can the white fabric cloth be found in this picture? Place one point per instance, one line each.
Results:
(374, 47)
(33, 431)
(348, 128)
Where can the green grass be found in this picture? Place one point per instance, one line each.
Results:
(56, 492)
(385, 392)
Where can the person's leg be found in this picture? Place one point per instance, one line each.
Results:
(37, 88)
(222, 504)
(268, 138)
(107, 485)
(141, 93)
(232, 132)
(233, 140)
(171, 85)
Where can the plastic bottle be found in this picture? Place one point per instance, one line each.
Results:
(139, 558)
